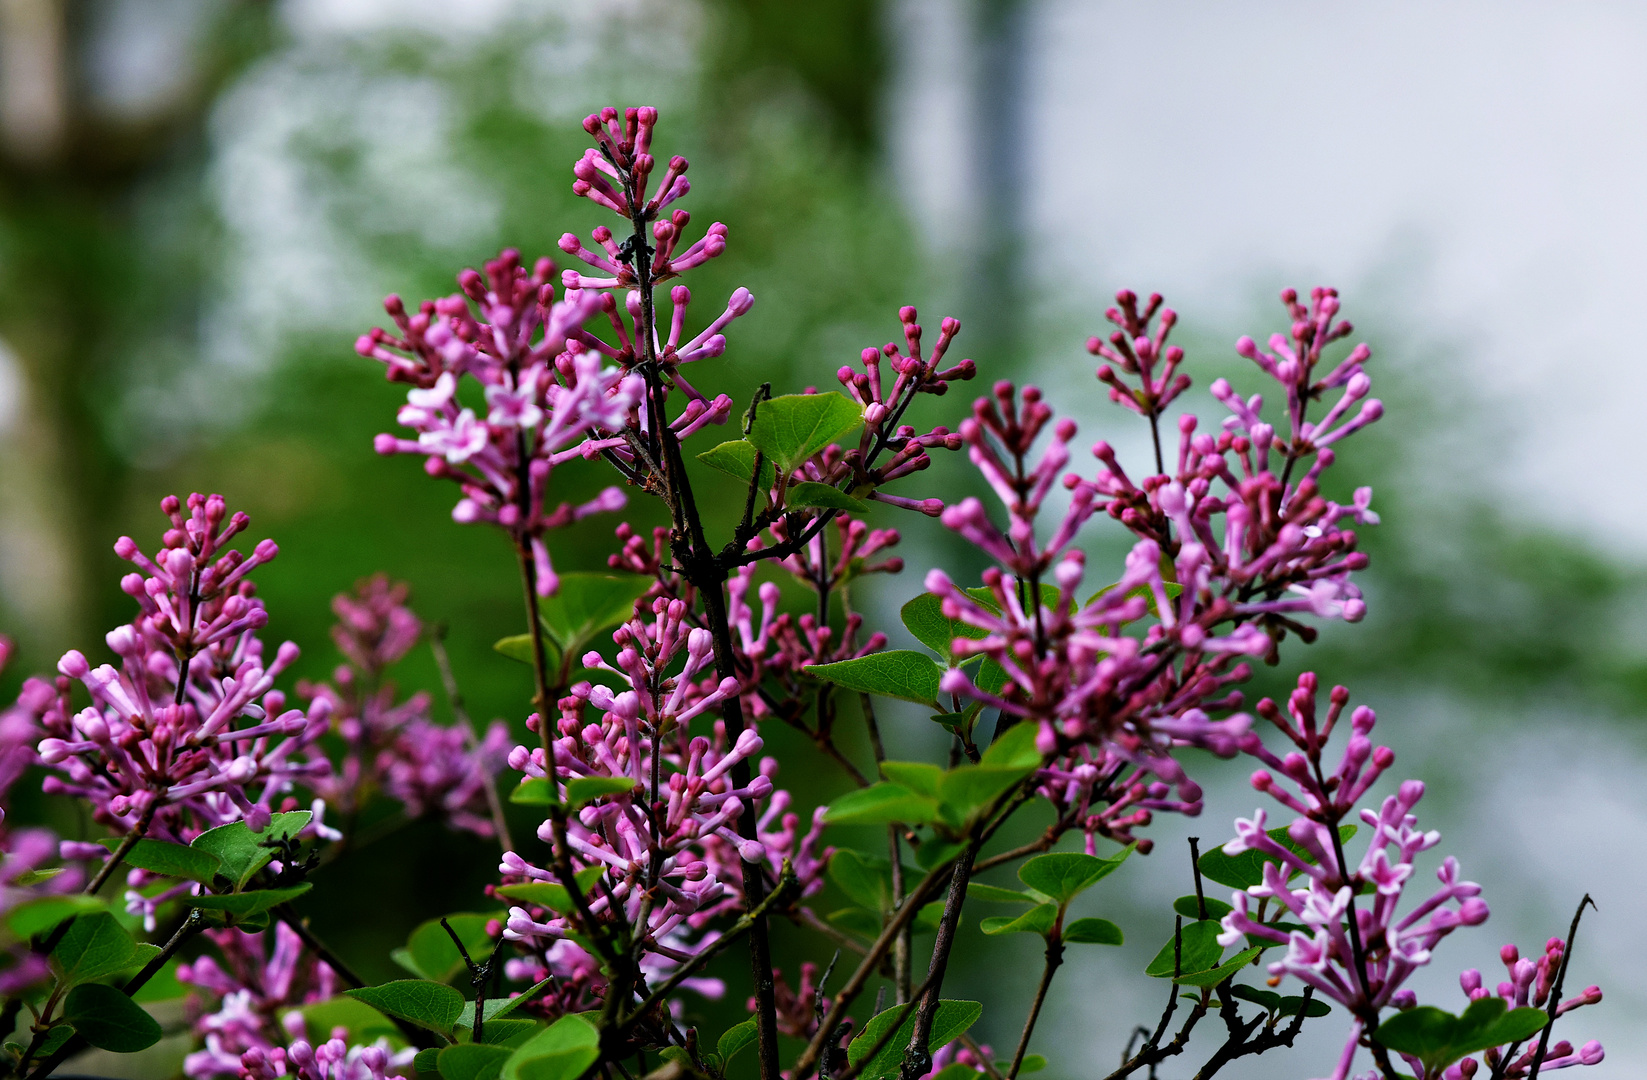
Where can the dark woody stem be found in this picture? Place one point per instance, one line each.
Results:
(708, 575)
(1555, 990)
(1054, 959)
(917, 1058)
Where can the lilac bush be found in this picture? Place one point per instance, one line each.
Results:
(1079, 698)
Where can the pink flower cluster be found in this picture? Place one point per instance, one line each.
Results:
(1360, 955)
(1529, 984)
(393, 745)
(188, 732)
(667, 846)
(255, 1027)
(1231, 545)
(547, 397)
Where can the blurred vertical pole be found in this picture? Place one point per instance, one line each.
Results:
(75, 281)
(994, 292)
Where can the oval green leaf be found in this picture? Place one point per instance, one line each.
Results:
(897, 673)
(110, 1020)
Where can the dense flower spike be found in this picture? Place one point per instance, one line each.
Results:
(262, 979)
(163, 746)
(674, 876)
(1529, 983)
(1358, 955)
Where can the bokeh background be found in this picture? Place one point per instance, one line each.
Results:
(202, 203)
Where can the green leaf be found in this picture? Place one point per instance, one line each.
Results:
(924, 617)
(1064, 875)
(897, 673)
(1264, 999)
(552, 894)
(425, 1064)
(110, 1020)
(881, 804)
(240, 905)
(584, 789)
(978, 891)
(823, 497)
(171, 860)
(738, 459)
(585, 604)
(519, 647)
(865, 879)
(363, 1023)
(960, 1071)
(955, 721)
(560, 1051)
(1439, 1038)
(792, 428)
(1200, 951)
(497, 1009)
(968, 789)
(430, 954)
(857, 920)
(951, 1019)
(504, 1033)
(1223, 971)
(1014, 748)
(533, 791)
(1291, 1005)
(1037, 920)
(471, 1061)
(427, 1004)
(1032, 1063)
(921, 777)
(38, 916)
(1092, 932)
(1190, 908)
(1245, 870)
(94, 945)
(735, 1039)
(35, 877)
(242, 852)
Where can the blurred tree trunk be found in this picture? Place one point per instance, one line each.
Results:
(72, 279)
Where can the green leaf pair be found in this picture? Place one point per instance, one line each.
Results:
(950, 1021)
(917, 793)
(1198, 956)
(1053, 881)
(1438, 1038)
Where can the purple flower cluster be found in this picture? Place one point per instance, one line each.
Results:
(188, 732)
(666, 845)
(1232, 543)
(1360, 955)
(392, 745)
(256, 991)
(1529, 983)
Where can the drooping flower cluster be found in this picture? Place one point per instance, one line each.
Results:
(393, 745)
(1231, 545)
(1529, 984)
(1359, 955)
(165, 746)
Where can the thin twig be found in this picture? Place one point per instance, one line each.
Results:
(1555, 990)
(454, 698)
